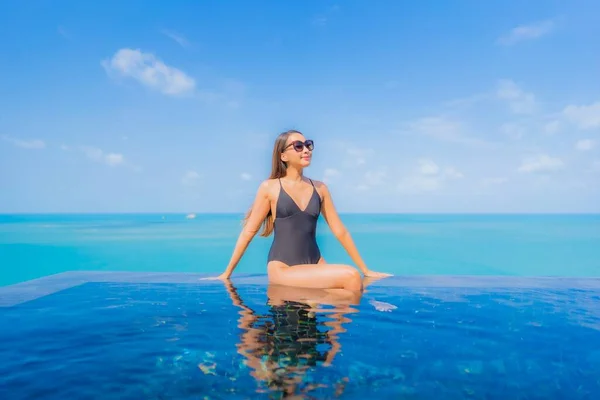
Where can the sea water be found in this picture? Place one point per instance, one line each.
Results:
(33, 246)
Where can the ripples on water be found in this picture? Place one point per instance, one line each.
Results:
(175, 341)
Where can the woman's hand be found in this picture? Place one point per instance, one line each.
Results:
(223, 277)
(373, 274)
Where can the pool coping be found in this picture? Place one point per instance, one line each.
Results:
(22, 292)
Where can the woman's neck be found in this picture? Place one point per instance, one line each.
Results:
(294, 175)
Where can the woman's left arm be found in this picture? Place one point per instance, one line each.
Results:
(341, 233)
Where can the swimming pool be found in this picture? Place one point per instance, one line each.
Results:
(157, 336)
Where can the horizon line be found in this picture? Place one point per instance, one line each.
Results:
(339, 212)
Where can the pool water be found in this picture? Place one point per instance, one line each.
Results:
(455, 339)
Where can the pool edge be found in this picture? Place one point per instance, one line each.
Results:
(22, 292)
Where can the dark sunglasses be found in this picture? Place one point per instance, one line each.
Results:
(299, 145)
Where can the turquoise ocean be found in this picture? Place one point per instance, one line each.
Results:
(33, 246)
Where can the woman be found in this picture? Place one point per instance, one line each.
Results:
(289, 204)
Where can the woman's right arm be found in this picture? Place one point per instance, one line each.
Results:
(259, 211)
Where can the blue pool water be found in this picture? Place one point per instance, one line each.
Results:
(33, 246)
(175, 337)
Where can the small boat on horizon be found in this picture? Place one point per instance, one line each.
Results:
(190, 216)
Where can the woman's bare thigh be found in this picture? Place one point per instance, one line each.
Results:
(318, 276)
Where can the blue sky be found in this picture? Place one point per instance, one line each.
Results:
(462, 106)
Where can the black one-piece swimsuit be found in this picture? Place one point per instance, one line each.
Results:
(295, 230)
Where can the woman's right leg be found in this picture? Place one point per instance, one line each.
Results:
(318, 276)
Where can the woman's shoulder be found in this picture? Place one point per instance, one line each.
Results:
(320, 186)
(268, 186)
(269, 182)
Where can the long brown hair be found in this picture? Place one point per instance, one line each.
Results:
(278, 170)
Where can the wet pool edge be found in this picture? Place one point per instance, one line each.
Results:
(22, 292)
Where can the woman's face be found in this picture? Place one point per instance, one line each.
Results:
(297, 151)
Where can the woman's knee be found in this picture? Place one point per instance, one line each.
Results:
(352, 279)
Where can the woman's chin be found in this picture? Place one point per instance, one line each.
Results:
(304, 163)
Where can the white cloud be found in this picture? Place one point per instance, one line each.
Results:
(513, 130)
(359, 156)
(375, 177)
(245, 176)
(519, 101)
(428, 167)
(322, 19)
(25, 144)
(371, 178)
(541, 163)
(93, 153)
(452, 173)
(178, 38)
(437, 127)
(319, 20)
(493, 181)
(113, 159)
(417, 184)
(149, 71)
(428, 177)
(552, 127)
(468, 100)
(444, 129)
(329, 174)
(584, 117)
(190, 178)
(98, 155)
(527, 32)
(585, 144)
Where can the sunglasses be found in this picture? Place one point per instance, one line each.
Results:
(299, 145)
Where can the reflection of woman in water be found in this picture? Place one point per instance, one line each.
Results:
(290, 204)
(281, 346)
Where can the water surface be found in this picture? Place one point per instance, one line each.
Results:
(33, 246)
(120, 340)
